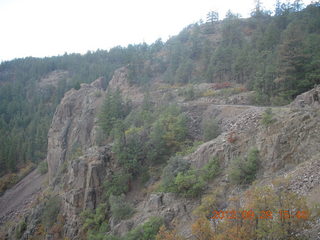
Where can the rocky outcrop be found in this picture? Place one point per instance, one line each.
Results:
(167, 205)
(120, 80)
(73, 126)
(77, 167)
(292, 139)
(307, 100)
(83, 183)
(53, 78)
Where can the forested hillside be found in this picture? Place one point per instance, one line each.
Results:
(275, 54)
(163, 141)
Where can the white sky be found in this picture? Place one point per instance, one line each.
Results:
(41, 28)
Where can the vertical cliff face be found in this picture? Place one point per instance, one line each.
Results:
(76, 165)
(72, 129)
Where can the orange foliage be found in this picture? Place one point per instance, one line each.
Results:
(222, 85)
(164, 234)
(201, 229)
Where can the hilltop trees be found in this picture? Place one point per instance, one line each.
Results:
(212, 17)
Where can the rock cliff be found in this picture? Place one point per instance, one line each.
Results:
(78, 165)
(72, 129)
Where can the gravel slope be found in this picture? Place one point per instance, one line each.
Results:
(18, 199)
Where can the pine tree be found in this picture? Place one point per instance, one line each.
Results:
(212, 17)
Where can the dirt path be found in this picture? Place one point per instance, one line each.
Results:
(17, 199)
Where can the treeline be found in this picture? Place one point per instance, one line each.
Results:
(276, 55)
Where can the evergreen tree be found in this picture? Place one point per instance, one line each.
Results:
(212, 17)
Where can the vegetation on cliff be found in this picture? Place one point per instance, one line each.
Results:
(275, 56)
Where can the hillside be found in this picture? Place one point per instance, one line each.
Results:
(179, 139)
(87, 171)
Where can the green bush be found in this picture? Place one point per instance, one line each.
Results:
(147, 231)
(175, 165)
(211, 169)
(117, 185)
(168, 134)
(260, 99)
(189, 184)
(95, 222)
(243, 171)
(189, 93)
(179, 178)
(119, 208)
(50, 211)
(128, 149)
(188, 148)
(210, 129)
(21, 228)
(93, 219)
(43, 167)
(267, 117)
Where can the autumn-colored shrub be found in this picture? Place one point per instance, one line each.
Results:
(276, 214)
(165, 234)
(202, 230)
(222, 85)
(231, 138)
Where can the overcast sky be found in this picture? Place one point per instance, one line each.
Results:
(41, 28)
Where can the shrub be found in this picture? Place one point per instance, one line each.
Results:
(201, 229)
(51, 211)
(280, 100)
(179, 178)
(22, 226)
(165, 234)
(266, 198)
(7, 181)
(95, 223)
(222, 85)
(189, 184)
(188, 149)
(260, 98)
(210, 129)
(118, 184)
(267, 117)
(147, 231)
(188, 93)
(175, 165)
(168, 134)
(11, 179)
(93, 220)
(211, 169)
(243, 171)
(209, 203)
(43, 167)
(128, 150)
(119, 208)
(209, 93)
